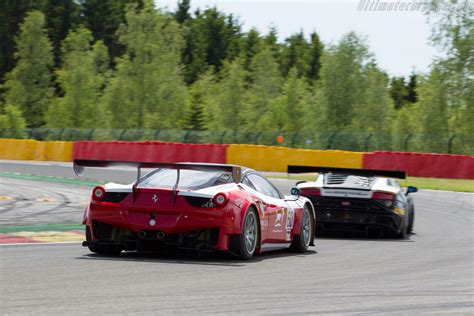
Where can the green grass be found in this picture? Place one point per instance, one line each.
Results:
(459, 185)
(40, 228)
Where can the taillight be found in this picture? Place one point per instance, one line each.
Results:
(384, 198)
(221, 199)
(310, 192)
(98, 193)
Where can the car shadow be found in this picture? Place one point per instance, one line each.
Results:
(339, 235)
(208, 259)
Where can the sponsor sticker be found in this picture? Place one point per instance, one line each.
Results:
(346, 193)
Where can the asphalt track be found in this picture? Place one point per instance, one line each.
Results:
(430, 273)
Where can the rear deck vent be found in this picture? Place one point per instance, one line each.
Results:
(332, 178)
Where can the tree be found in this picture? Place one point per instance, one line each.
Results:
(453, 31)
(296, 53)
(12, 124)
(104, 17)
(230, 99)
(398, 91)
(250, 46)
(374, 113)
(147, 90)
(203, 108)
(342, 81)
(28, 85)
(315, 53)
(82, 78)
(182, 12)
(432, 109)
(289, 112)
(12, 13)
(265, 86)
(411, 95)
(61, 16)
(211, 38)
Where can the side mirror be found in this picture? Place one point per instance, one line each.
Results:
(295, 191)
(301, 181)
(411, 189)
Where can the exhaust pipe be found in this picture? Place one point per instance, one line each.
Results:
(160, 235)
(142, 234)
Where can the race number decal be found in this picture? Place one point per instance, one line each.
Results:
(290, 218)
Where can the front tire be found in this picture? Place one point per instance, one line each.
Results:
(246, 242)
(302, 241)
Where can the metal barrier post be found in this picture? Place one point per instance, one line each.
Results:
(367, 142)
(330, 140)
(450, 144)
(406, 142)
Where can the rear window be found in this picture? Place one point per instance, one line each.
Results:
(188, 179)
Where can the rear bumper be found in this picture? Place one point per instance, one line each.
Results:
(357, 221)
(116, 225)
(153, 241)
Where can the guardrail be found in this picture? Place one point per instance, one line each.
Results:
(352, 141)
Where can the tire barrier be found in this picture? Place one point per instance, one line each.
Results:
(422, 164)
(149, 151)
(268, 158)
(16, 149)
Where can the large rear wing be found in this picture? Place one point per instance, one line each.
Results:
(80, 164)
(358, 172)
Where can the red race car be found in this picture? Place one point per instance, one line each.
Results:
(191, 206)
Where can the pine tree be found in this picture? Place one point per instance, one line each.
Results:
(182, 12)
(250, 46)
(28, 85)
(147, 90)
(81, 77)
(296, 53)
(316, 51)
(104, 17)
(211, 38)
(61, 16)
(271, 41)
(398, 91)
(411, 95)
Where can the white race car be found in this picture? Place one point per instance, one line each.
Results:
(359, 200)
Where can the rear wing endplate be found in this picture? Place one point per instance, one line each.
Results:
(359, 172)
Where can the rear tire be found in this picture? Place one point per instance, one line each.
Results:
(102, 249)
(403, 234)
(411, 222)
(246, 243)
(302, 241)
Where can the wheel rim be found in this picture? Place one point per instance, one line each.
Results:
(250, 232)
(306, 227)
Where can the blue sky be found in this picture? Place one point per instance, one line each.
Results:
(398, 39)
